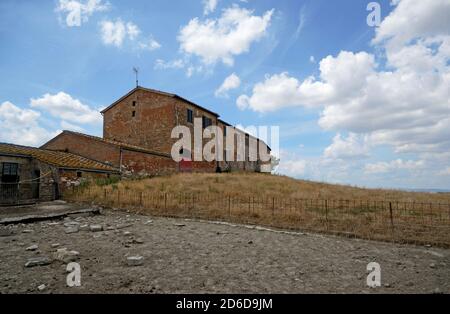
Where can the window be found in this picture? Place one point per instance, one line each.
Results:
(10, 172)
(10, 169)
(190, 116)
(206, 122)
(133, 114)
(134, 103)
(79, 174)
(224, 130)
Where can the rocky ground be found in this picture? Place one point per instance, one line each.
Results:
(119, 252)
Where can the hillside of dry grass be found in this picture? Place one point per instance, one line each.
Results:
(259, 185)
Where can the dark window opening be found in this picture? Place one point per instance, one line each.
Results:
(79, 174)
(134, 103)
(225, 130)
(133, 114)
(190, 116)
(10, 172)
(206, 122)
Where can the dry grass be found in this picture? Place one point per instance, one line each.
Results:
(258, 185)
(283, 202)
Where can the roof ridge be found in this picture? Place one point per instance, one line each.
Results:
(56, 158)
(119, 143)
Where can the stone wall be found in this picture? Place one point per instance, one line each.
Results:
(30, 187)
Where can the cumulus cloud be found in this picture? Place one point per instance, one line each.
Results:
(405, 104)
(21, 126)
(209, 6)
(394, 165)
(231, 82)
(78, 12)
(116, 32)
(63, 106)
(221, 39)
(292, 167)
(354, 146)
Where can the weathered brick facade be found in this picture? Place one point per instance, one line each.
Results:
(146, 118)
(137, 139)
(133, 161)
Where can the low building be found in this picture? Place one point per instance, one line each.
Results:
(29, 174)
(133, 160)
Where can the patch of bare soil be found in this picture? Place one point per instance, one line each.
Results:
(185, 256)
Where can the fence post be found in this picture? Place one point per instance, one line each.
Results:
(165, 201)
(229, 205)
(326, 213)
(273, 206)
(391, 217)
(140, 199)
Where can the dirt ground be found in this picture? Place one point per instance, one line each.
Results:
(185, 256)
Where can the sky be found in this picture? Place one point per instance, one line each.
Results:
(356, 103)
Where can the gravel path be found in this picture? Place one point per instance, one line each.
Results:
(184, 256)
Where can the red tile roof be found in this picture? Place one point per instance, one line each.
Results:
(56, 158)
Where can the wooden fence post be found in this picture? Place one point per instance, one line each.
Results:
(326, 213)
(391, 216)
(273, 206)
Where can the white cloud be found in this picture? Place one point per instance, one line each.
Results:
(133, 30)
(221, 39)
(72, 127)
(406, 104)
(292, 167)
(231, 82)
(209, 6)
(63, 106)
(117, 32)
(150, 44)
(354, 146)
(394, 165)
(412, 19)
(79, 12)
(312, 59)
(21, 126)
(113, 33)
(174, 64)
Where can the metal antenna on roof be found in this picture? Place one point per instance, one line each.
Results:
(136, 71)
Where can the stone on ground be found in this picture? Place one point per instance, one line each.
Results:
(135, 260)
(96, 228)
(65, 255)
(38, 261)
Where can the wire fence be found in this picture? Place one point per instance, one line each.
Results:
(405, 222)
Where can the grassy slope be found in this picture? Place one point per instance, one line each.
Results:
(253, 184)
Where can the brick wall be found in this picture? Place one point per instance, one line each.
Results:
(134, 163)
(151, 125)
(29, 188)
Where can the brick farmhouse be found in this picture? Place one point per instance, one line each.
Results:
(137, 136)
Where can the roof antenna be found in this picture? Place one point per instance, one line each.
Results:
(136, 71)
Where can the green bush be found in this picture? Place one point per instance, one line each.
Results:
(107, 181)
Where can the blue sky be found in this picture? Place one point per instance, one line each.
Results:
(355, 104)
